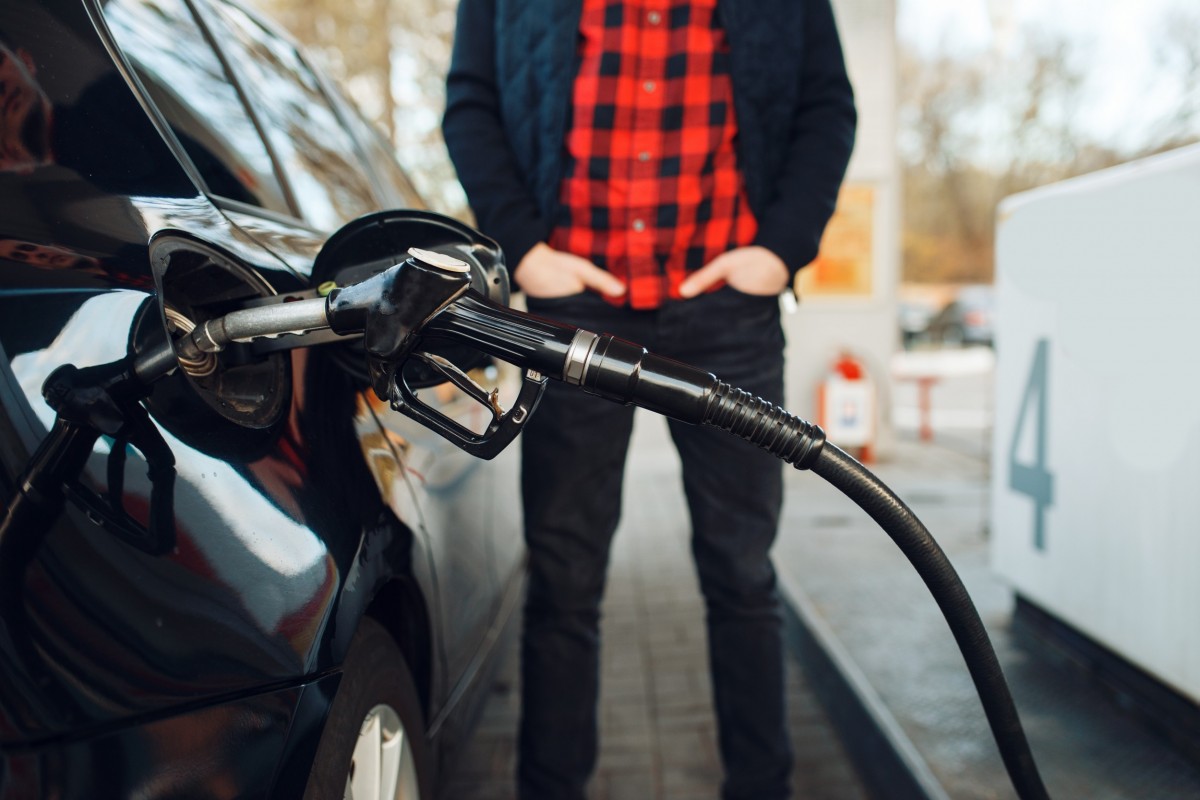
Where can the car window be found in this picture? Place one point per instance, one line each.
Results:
(188, 83)
(317, 155)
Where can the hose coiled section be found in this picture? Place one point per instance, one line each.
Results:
(781, 434)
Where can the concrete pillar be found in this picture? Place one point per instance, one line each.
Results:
(848, 297)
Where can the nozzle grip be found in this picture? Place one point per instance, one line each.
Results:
(513, 336)
(500, 432)
(612, 368)
(391, 309)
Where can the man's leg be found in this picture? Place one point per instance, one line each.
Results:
(735, 492)
(573, 459)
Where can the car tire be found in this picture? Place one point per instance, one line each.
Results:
(373, 744)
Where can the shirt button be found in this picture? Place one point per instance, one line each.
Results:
(639, 225)
(643, 156)
(654, 17)
(649, 86)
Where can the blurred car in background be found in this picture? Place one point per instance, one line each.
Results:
(308, 603)
(967, 320)
(914, 315)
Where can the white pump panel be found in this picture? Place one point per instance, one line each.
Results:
(1096, 458)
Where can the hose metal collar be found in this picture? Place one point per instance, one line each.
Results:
(579, 354)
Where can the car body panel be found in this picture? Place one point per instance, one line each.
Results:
(227, 749)
(287, 533)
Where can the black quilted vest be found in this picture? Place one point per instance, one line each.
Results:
(536, 65)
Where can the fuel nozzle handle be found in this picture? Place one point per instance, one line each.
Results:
(624, 372)
(392, 308)
(395, 311)
(603, 365)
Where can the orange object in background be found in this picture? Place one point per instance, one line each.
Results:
(846, 407)
(848, 367)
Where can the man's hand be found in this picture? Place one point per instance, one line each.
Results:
(545, 272)
(750, 270)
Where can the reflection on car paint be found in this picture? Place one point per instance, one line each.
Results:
(250, 550)
(181, 72)
(302, 127)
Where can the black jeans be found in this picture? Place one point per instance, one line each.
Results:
(573, 462)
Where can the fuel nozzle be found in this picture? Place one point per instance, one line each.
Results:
(391, 309)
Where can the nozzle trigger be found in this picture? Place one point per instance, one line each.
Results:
(501, 430)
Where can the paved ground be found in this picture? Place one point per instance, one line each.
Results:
(657, 728)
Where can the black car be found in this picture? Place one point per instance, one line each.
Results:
(968, 319)
(310, 600)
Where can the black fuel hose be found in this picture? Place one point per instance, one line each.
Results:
(803, 445)
(927, 557)
(624, 372)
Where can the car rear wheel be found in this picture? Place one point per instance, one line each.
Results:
(373, 745)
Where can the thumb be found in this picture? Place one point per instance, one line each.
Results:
(703, 278)
(599, 280)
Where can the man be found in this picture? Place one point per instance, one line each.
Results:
(659, 170)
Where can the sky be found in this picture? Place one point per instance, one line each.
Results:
(1116, 41)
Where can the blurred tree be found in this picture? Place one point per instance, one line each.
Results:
(975, 129)
(1180, 59)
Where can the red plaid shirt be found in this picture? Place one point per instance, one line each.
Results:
(652, 189)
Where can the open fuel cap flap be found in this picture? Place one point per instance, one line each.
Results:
(376, 242)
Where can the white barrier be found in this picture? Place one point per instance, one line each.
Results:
(1096, 455)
